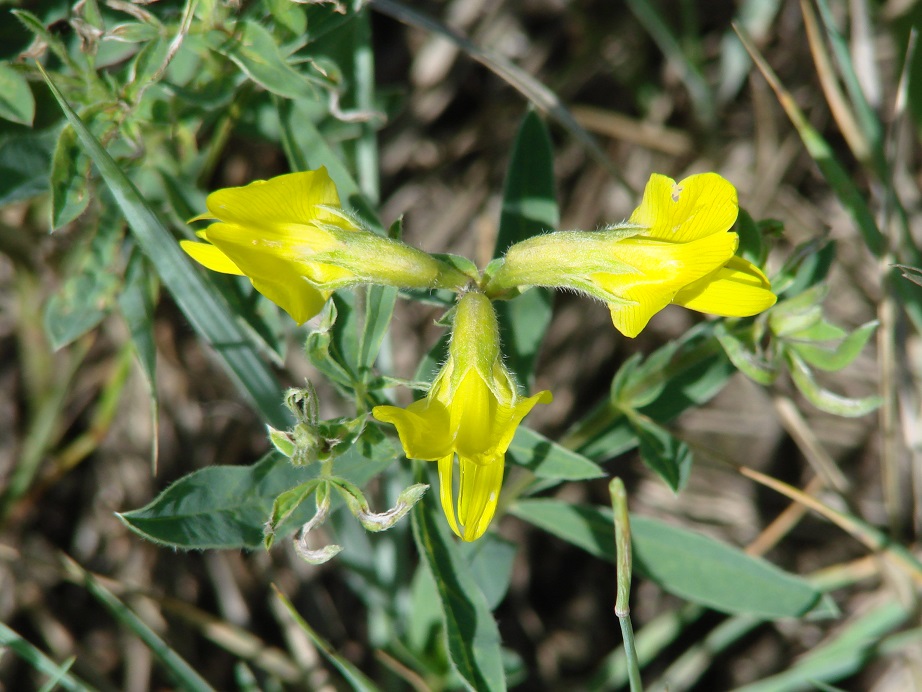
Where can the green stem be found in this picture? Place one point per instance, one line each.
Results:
(624, 566)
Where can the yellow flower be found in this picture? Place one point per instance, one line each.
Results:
(295, 243)
(675, 248)
(471, 412)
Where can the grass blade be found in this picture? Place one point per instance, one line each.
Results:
(198, 301)
(39, 661)
(177, 666)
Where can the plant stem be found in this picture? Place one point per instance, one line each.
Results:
(624, 566)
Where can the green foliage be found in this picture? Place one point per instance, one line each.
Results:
(148, 106)
(687, 564)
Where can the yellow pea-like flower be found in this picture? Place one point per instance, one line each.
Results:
(467, 420)
(675, 248)
(292, 239)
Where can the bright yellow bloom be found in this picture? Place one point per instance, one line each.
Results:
(675, 248)
(471, 411)
(295, 243)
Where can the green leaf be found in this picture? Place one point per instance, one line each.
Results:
(145, 65)
(665, 455)
(9, 639)
(289, 15)
(490, 560)
(306, 147)
(845, 655)
(357, 680)
(547, 459)
(284, 506)
(90, 291)
(699, 90)
(379, 308)
(473, 637)
(70, 170)
(807, 266)
(17, 104)
(24, 164)
(529, 208)
(322, 348)
(136, 303)
(199, 302)
(697, 568)
(179, 669)
(256, 53)
(750, 364)
(822, 398)
(53, 41)
(225, 507)
(834, 359)
(696, 372)
(640, 381)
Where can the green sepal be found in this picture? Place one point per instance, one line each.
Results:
(285, 505)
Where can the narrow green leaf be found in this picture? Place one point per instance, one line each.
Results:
(822, 398)
(687, 564)
(226, 507)
(529, 208)
(306, 147)
(665, 455)
(473, 637)
(53, 41)
(547, 459)
(352, 675)
(750, 364)
(321, 350)
(870, 123)
(698, 88)
(39, 661)
(823, 154)
(807, 266)
(696, 373)
(529, 200)
(184, 674)
(379, 308)
(845, 655)
(640, 381)
(136, 303)
(196, 298)
(17, 104)
(834, 359)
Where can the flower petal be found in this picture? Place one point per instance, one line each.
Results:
(283, 200)
(276, 279)
(473, 411)
(423, 427)
(210, 257)
(478, 493)
(508, 419)
(447, 491)
(257, 251)
(738, 289)
(698, 206)
(662, 269)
